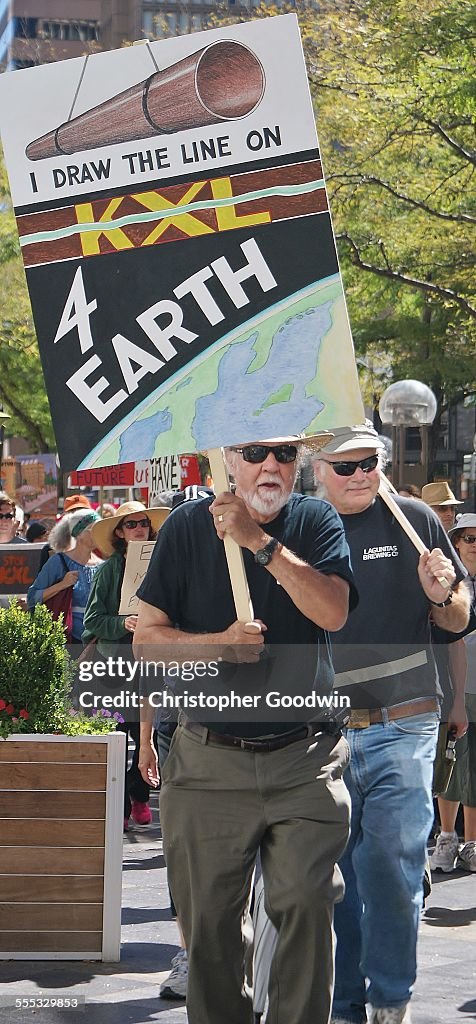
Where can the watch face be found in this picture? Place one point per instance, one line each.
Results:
(262, 557)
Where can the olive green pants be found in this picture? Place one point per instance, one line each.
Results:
(219, 806)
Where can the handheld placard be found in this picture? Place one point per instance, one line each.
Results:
(234, 557)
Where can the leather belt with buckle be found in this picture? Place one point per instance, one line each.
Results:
(257, 746)
(361, 718)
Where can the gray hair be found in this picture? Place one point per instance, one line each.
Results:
(61, 538)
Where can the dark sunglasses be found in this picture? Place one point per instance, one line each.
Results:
(349, 468)
(6, 515)
(469, 538)
(132, 524)
(255, 453)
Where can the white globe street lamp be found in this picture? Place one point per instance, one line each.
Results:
(408, 403)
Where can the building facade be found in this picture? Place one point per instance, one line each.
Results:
(40, 31)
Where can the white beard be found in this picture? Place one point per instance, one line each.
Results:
(267, 504)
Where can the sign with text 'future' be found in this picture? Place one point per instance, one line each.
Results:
(179, 253)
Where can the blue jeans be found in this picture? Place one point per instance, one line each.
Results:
(389, 780)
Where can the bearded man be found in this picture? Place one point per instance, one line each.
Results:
(233, 788)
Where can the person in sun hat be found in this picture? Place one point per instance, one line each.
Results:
(74, 564)
(132, 522)
(449, 854)
(441, 499)
(385, 667)
(232, 787)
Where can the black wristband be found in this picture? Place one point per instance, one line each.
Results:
(443, 604)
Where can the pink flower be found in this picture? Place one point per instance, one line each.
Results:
(24, 714)
(9, 709)
(2, 705)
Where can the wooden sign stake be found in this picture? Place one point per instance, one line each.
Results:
(233, 552)
(387, 497)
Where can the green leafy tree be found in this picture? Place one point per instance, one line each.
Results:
(394, 93)
(22, 389)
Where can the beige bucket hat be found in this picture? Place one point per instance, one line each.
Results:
(439, 493)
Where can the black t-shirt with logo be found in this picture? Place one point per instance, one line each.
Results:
(382, 656)
(188, 580)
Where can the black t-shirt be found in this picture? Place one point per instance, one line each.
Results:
(188, 580)
(382, 656)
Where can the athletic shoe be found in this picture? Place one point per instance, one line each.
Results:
(141, 813)
(341, 1020)
(391, 1015)
(175, 986)
(446, 850)
(467, 857)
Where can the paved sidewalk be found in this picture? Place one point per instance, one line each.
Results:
(127, 993)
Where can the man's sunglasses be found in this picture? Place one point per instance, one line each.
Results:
(469, 538)
(6, 515)
(259, 452)
(133, 524)
(349, 468)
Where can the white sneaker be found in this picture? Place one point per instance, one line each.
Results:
(467, 857)
(175, 986)
(391, 1015)
(446, 850)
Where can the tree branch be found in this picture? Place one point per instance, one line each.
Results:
(368, 179)
(465, 154)
(32, 428)
(394, 275)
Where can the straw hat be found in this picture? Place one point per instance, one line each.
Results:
(439, 493)
(102, 532)
(312, 441)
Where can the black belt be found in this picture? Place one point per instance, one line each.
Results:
(219, 739)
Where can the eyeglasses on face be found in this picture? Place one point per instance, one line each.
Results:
(133, 524)
(256, 453)
(349, 468)
(469, 538)
(6, 515)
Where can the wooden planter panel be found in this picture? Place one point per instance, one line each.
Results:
(61, 813)
(44, 832)
(34, 777)
(53, 750)
(59, 805)
(16, 859)
(79, 888)
(66, 945)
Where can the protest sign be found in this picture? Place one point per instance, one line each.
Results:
(137, 563)
(238, 330)
(19, 567)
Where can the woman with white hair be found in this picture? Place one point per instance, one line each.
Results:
(74, 564)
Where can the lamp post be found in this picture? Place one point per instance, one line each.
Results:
(408, 403)
(3, 416)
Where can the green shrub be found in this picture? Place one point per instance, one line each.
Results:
(36, 677)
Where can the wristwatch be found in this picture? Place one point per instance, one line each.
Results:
(264, 555)
(443, 604)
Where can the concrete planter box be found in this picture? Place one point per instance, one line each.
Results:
(61, 821)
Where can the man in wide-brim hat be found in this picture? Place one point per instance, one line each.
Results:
(441, 499)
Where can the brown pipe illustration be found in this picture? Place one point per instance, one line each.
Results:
(222, 82)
